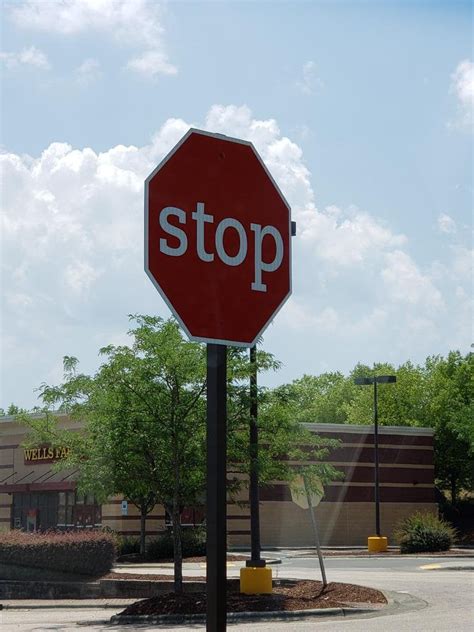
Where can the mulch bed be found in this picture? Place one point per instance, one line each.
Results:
(286, 596)
(151, 578)
(135, 558)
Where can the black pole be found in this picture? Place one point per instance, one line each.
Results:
(255, 560)
(216, 506)
(376, 459)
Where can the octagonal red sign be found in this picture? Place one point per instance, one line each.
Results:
(217, 238)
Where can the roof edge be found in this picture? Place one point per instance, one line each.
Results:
(383, 430)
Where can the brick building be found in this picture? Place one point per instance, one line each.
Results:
(33, 496)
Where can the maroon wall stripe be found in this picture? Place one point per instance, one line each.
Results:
(402, 440)
(6, 466)
(387, 494)
(9, 447)
(365, 474)
(238, 532)
(386, 455)
(5, 519)
(339, 493)
(59, 486)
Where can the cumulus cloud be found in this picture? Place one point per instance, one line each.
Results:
(135, 24)
(344, 238)
(151, 63)
(446, 224)
(407, 284)
(462, 85)
(31, 56)
(309, 79)
(72, 259)
(88, 72)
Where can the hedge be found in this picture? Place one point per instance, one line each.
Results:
(89, 553)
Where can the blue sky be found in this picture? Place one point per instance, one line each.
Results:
(361, 110)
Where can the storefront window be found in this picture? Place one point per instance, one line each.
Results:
(65, 509)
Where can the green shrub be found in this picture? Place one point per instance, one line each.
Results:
(128, 545)
(89, 553)
(424, 532)
(160, 548)
(193, 542)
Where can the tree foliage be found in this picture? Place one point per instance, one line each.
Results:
(143, 411)
(144, 416)
(438, 394)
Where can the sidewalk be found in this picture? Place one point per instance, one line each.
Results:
(91, 604)
(361, 551)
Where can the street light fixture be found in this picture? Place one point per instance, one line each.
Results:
(363, 381)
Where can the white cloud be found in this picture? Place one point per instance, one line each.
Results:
(463, 262)
(72, 261)
(446, 223)
(79, 276)
(31, 56)
(345, 238)
(405, 283)
(299, 316)
(309, 80)
(88, 72)
(462, 85)
(152, 63)
(132, 23)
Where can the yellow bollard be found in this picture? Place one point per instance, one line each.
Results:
(256, 581)
(377, 544)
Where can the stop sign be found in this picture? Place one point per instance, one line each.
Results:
(217, 238)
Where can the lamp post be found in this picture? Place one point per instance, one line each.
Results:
(256, 577)
(380, 543)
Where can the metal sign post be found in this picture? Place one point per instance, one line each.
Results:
(218, 250)
(216, 573)
(255, 560)
(315, 531)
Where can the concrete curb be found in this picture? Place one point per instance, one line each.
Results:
(70, 606)
(396, 601)
(242, 616)
(234, 617)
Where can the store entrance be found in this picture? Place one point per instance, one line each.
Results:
(35, 511)
(54, 510)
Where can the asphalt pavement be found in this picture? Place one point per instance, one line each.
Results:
(438, 597)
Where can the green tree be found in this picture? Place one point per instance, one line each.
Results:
(144, 416)
(450, 410)
(399, 404)
(285, 445)
(439, 395)
(317, 399)
(144, 423)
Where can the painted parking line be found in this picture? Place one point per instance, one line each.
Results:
(430, 567)
(228, 564)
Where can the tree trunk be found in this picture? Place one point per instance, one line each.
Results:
(178, 551)
(453, 490)
(143, 514)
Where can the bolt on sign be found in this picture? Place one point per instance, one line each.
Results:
(218, 238)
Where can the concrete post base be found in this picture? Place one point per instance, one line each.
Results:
(376, 544)
(256, 581)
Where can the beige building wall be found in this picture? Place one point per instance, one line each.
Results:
(345, 515)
